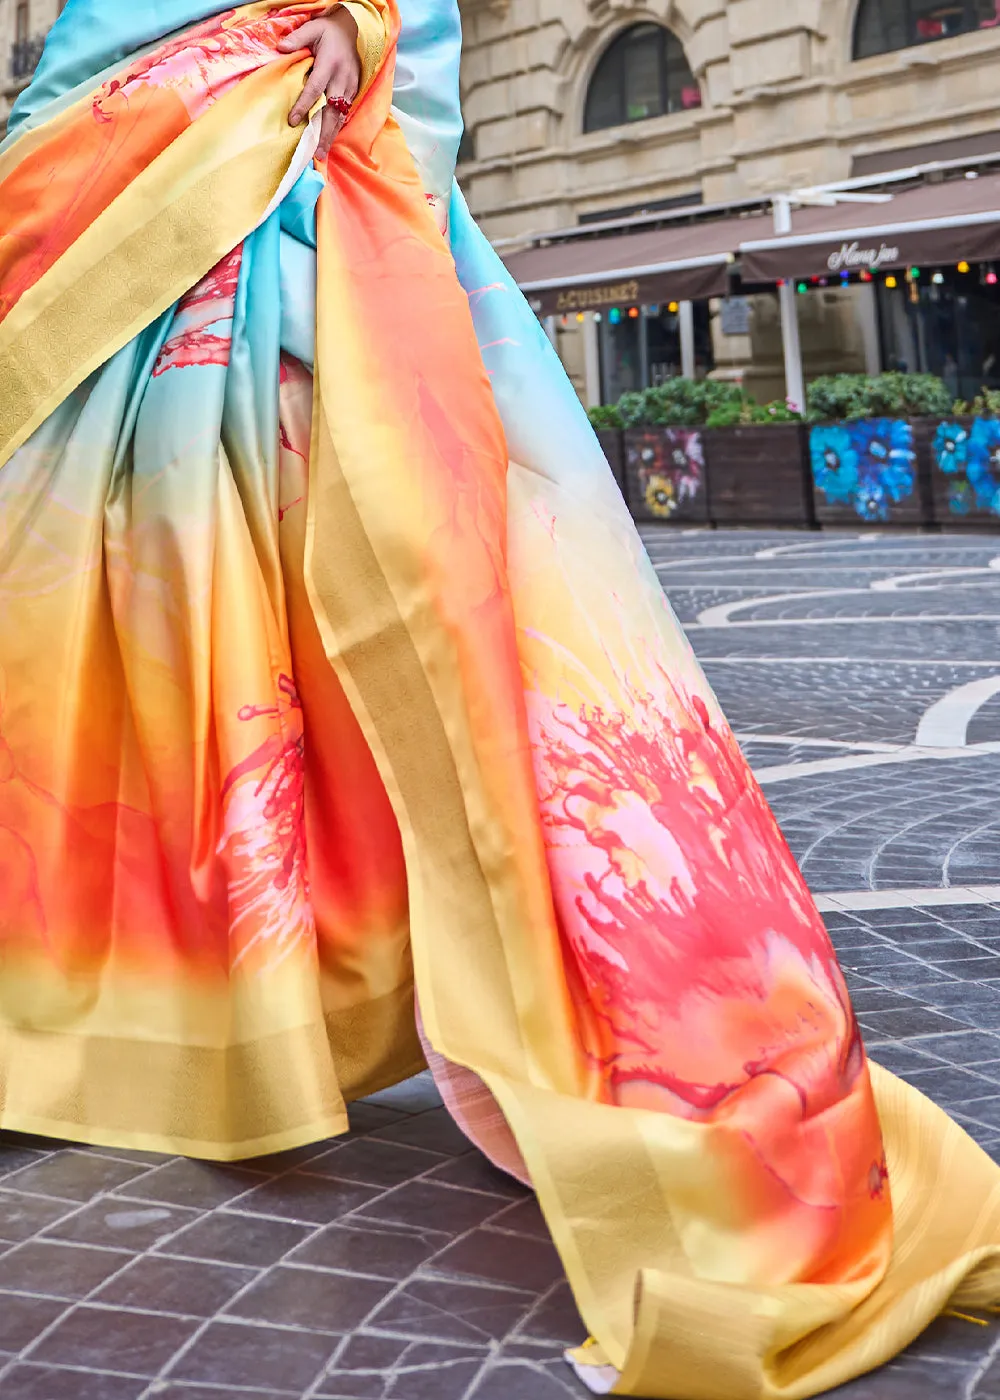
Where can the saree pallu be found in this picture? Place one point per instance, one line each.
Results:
(331, 667)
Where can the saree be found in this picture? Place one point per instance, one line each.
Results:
(333, 675)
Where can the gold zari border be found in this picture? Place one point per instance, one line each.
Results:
(178, 218)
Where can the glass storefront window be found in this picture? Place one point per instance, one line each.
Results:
(883, 26)
(952, 330)
(621, 357)
(639, 352)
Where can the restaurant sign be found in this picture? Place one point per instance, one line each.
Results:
(596, 298)
(852, 257)
(920, 245)
(674, 284)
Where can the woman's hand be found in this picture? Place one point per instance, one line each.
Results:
(336, 71)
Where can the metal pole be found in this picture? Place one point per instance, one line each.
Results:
(685, 321)
(795, 389)
(549, 326)
(868, 319)
(591, 361)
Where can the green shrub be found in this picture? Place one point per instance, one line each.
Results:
(632, 408)
(605, 417)
(986, 404)
(729, 415)
(676, 403)
(893, 395)
(687, 403)
(776, 412)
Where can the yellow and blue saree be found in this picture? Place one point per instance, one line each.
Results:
(331, 667)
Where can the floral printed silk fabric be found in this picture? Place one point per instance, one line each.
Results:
(332, 671)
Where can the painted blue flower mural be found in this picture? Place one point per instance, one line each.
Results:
(834, 463)
(970, 457)
(869, 465)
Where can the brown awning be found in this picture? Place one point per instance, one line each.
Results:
(926, 225)
(953, 149)
(678, 262)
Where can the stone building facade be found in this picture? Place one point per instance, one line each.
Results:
(722, 102)
(784, 102)
(23, 26)
(793, 93)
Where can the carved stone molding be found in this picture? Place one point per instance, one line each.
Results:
(471, 8)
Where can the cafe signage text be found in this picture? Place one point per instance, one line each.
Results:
(851, 256)
(591, 298)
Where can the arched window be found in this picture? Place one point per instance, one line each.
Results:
(881, 26)
(643, 74)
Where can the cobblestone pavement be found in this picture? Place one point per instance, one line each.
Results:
(863, 678)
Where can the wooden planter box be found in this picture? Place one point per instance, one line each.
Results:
(961, 462)
(665, 479)
(614, 449)
(759, 475)
(872, 472)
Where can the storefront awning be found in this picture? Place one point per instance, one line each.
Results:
(929, 225)
(678, 262)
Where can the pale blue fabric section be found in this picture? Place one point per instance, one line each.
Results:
(93, 35)
(546, 428)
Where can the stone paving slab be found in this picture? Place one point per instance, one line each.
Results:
(396, 1264)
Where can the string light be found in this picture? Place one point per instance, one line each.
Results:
(963, 266)
(938, 279)
(802, 289)
(673, 308)
(890, 282)
(914, 273)
(580, 318)
(614, 315)
(991, 278)
(633, 313)
(866, 276)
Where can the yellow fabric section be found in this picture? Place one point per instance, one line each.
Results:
(275, 1090)
(465, 893)
(792, 1342)
(645, 1208)
(147, 249)
(371, 37)
(631, 1197)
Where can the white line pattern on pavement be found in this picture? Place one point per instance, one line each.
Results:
(946, 723)
(911, 753)
(794, 741)
(721, 615)
(863, 620)
(848, 900)
(845, 661)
